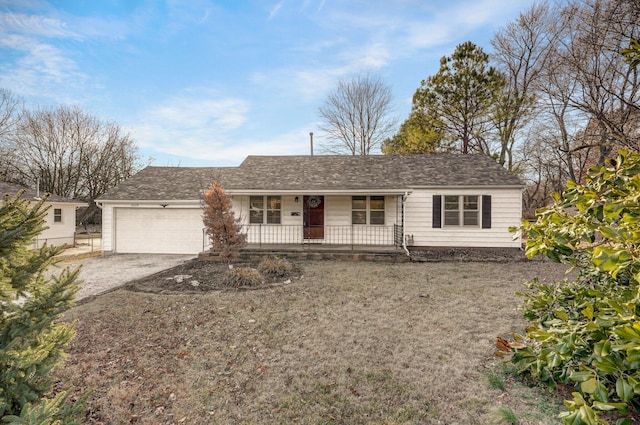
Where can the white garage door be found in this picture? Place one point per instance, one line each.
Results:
(158, 230)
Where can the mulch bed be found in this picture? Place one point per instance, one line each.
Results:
(198, 275)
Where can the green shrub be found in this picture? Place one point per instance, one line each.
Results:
(586, 332)
(239, 277)
(275, 267)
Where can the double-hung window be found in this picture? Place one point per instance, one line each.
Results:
(461, 210)
(470, 210)
(265, 209)
(359, 210)
(376, 210)
(274, 209)
(57, 215)
(367, 210)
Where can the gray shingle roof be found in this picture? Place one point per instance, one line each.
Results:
(12, 189)
(316, 173)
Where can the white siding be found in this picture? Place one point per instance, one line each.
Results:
(506, 211)
(288, 231)
(107, 228)
(58, 233)
(337, 222)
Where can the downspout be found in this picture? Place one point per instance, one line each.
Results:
(404, 241)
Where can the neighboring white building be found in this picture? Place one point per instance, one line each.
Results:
(60, 219)
(415, 200)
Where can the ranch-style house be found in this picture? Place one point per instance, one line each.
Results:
(357, 201)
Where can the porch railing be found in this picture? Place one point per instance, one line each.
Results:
(269, 234)
(398, 235)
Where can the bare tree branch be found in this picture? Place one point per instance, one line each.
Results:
(356, 116)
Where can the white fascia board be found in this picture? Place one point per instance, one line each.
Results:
(154, 202)
(76, 204)
(320, 192)
(484, 187)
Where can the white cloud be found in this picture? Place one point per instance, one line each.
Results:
(35, 25)
(375, 55)
(196, 124)
(313, 82)
(42, 66)
(478, 13)
(219, 150)
(40, 70)
(200, 124)
(275, 9)
(449, 24)
(186, 13)
(217, 114)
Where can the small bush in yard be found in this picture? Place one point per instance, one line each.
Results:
(275, 267)
(586, 332)
(239, 277)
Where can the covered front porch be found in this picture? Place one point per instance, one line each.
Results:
(344, 237)
(332, 220)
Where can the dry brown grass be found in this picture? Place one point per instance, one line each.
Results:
(350, 343)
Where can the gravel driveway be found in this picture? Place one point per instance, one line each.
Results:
(102, 274)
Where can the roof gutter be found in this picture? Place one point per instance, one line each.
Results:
(476, 187)
(318, 192)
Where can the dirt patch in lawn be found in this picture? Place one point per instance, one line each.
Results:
(350, 343)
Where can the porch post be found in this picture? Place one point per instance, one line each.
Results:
(404, 241)
(352, 248)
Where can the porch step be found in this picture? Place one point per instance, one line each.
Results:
(248, 254)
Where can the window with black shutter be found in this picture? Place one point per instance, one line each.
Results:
(461, 211)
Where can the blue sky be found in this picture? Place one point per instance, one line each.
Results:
(200, 83)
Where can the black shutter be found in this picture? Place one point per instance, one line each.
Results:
(486, 211)
(437, 212)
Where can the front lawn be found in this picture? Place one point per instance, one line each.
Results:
(348, 343)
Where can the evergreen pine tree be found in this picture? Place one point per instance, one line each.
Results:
(32, 340)
(222, 227)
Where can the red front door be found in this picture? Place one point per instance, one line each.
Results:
(313, 217)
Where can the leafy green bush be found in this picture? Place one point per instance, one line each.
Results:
(239, 277)
(275, 267)
(586, 332)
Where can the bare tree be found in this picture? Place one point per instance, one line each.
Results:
(356, 116)
(520, 53)
(607, 88)
(10, 110)
(566, 56)
(71, 153)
